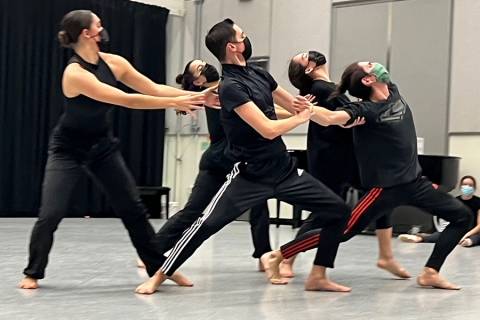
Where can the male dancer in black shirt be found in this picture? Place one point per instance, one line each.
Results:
(214, 168)
(386, 150)
(264, 169)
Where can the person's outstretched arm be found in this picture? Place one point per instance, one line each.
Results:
(270, 129)
(128, 75)
(77, 81)
(350, 115)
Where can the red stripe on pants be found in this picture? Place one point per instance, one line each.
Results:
(312, 241)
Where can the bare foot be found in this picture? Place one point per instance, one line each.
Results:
(286, 269)
(410, 238)
(271, 261)
(430, 278)
(149, 286)
(392, 266)
(323, 284)
(261, 268)
(28, 283)
(179, 279)
(466, 243)
(140, 264)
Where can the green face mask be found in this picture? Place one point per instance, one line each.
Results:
(381, 73)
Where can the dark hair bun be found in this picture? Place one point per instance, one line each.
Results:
(64, 38)
(179, 79)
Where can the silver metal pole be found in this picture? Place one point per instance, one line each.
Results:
(198, 29)
(197, 49)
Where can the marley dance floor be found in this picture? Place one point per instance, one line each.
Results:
(92, 275)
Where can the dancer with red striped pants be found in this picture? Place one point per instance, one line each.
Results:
(386, 150)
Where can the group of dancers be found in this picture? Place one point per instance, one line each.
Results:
(369, 143)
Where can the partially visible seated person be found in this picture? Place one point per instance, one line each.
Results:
(468, 186)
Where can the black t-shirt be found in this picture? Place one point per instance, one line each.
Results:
(240, 85)
(330, 154)
(474, 205)
(386, 145)
(213, 158)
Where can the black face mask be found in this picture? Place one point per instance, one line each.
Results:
(210, 73)
(104, 43)
(317, 57)
(247, 53)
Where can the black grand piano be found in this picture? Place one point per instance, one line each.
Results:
(441, 170)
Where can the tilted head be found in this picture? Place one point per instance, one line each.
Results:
(197, 74)
(301, 69)
(360, 78)
(227, 42)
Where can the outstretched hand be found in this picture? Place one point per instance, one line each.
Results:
(211, 97)
(305, 114)
(301, 103)
(186, 104)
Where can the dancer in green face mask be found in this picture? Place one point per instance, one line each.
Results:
(386, 151)
(330, 151)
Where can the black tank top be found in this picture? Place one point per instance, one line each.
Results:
(85, 121)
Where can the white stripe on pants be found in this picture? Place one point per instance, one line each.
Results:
(190, 232)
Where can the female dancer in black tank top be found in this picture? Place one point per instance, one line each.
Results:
(83, 139)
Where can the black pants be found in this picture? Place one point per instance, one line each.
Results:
(383, 222)
(381, 201)
(433, 238)
(206, 186)
(64, 168)
(251, 184)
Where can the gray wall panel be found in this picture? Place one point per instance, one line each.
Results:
(419, 65)
(359, 33)
(465, 95)
(297, 26)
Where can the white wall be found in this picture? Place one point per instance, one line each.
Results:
(467, 146)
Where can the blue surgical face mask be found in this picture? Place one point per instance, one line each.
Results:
(466, 190)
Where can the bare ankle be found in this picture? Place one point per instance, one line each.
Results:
(278, 255)
(429, 271)
(318, 272)
(385, 258)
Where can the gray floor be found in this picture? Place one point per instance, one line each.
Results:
(92, 275)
